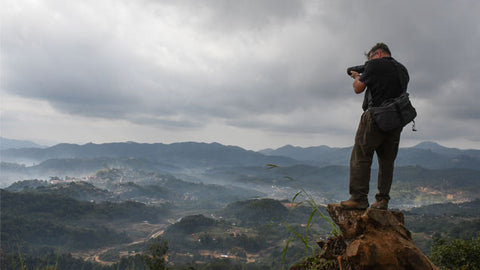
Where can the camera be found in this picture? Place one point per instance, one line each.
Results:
(359, 69)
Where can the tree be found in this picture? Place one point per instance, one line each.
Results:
(456, 254)
(156, 259)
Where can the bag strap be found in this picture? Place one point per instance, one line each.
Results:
(404, 88)
(402, 85)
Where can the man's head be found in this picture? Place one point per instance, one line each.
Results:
(378, 51)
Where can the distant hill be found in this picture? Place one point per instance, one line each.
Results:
(447, 220)
(317, 155)
(185, 155)
(122, 185)
(412, 185)
(15, 144)
(467, 209)
(256, 211)
(427, 154)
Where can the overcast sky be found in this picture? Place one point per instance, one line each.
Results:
(256, 74)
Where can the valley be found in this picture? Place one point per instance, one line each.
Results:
(105, 205)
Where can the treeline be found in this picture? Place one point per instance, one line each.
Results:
(32, 221)
(443, 221)
(450, 221)
(467, 209)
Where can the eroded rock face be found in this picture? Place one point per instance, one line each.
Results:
(376, 239)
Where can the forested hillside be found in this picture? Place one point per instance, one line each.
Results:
(32, 220)
(208, 205)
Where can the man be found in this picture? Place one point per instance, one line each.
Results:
(384, 78)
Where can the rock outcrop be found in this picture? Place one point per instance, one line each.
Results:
(371, 239)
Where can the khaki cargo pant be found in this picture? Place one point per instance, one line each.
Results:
(368, 140)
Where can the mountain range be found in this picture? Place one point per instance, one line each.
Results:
(202, 155)
(324, 170)
(426, 154)
(187, 154)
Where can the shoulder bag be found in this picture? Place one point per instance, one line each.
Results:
(394, 113)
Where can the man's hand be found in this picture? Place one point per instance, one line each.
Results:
(354, 74)
(358, 86)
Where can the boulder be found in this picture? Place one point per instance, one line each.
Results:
(371, 239)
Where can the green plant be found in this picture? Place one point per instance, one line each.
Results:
(456, 254)
(20, 258)
(304, 238)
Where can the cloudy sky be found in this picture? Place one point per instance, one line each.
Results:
(251, 73)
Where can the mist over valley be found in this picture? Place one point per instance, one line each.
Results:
(103, 203)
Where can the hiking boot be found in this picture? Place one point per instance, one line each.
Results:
(353, 204)
(380, 204)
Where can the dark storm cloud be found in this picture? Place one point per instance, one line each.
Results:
(94, 74)
(269, 65)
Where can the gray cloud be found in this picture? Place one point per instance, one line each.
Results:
(225, 16)
(277, 66)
